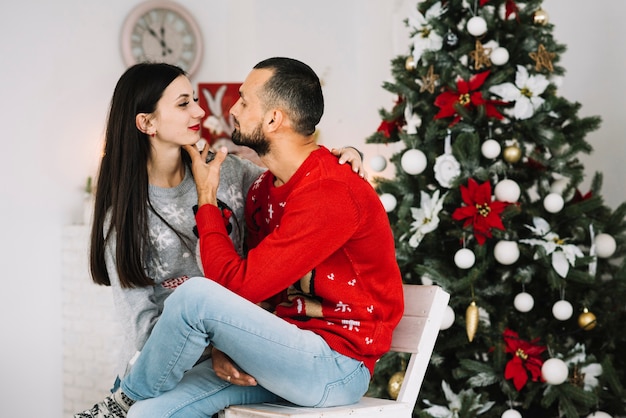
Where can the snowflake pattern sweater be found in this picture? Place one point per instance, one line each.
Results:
(327, 227)
(167, 261)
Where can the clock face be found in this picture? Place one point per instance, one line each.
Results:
(162, 32)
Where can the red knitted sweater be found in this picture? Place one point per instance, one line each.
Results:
(327, 227)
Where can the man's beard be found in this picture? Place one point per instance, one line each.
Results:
(256, 140)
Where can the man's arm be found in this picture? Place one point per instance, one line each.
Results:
(319, 221)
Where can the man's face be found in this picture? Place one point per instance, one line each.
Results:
(249, 113)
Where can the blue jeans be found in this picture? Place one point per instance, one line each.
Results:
(287, 362)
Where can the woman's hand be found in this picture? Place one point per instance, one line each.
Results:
(206, 175)
(352, 156)
(227, 370)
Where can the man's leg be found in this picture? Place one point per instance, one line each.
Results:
(200, 394)
(294, 364)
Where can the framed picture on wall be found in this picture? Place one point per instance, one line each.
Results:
(216, 99)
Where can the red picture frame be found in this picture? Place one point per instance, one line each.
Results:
(216, 99)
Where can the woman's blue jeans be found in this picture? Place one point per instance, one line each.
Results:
(287, 362)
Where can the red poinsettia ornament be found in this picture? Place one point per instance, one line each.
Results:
(526, 359)
(579, 197)
(468, 96)
(511, 9)
(388, 128)
(480, 210)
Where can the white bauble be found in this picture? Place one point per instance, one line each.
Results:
(413, 161)
(562, 310)
(599, 414)
(506, 252)
(523, 302)
(389, 201)
(378, 163)
(464, 258)
(511, 413)
(448, 318)
(499, 56)
(554, 371)
(605, 245)
(553, 202)
(477, 26)
(507, 190)
(490, 149)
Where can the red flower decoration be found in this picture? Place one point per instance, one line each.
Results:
(511, 9)
(579, 197)
(387, 128)
(480, 211)
(535, 165)
(466, 95)
(526, 359)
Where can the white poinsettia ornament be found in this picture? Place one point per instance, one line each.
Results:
(525, 93)
(425, 38)
(456, 401)
(563, 255)
(426, 217)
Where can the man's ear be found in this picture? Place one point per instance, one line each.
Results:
(274, 119)
(143, 121)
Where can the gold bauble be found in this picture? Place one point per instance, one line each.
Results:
(587, 320)
(540, 17)
(394, 385)
(512, 154)
(410, 63)
(471, 320)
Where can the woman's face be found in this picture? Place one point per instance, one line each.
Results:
(178, 116)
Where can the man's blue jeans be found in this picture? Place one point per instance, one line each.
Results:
(287, 362)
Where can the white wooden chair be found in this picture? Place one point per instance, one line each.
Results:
(424, 307)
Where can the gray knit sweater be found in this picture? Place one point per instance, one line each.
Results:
(167, 260)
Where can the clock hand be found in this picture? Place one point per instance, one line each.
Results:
(164, 48)
(153, 33)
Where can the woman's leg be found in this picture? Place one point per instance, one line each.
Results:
(294, 364)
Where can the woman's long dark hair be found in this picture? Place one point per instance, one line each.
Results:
(122, 184)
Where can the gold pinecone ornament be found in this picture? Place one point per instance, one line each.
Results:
(471, 320)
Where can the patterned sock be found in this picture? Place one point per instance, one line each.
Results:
(113, 406)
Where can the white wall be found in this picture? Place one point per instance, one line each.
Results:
(60, 62)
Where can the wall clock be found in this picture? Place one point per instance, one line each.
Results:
(162, 31)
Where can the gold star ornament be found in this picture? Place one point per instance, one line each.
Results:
(480, 56)
(428, 81)
(542, 58)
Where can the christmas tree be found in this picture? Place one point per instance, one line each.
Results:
(486, 203)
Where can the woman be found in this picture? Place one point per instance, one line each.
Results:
(143, 240)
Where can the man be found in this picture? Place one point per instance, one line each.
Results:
(307, 218)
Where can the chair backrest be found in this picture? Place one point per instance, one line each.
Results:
(424, 308)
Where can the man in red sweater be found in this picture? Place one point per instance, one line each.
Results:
(319, 336)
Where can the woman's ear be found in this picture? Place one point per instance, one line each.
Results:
(144, 123)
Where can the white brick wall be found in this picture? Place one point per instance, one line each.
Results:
(90, 333)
